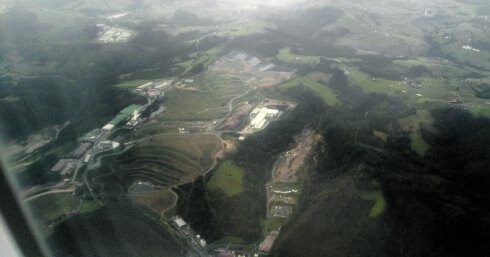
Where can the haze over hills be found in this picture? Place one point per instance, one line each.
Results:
(250, 128)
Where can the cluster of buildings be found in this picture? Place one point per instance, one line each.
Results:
(281, 211)
(153, 90)
(96, 141)
(251, 60)
(187, 231)
(468, 47)
(110, 34)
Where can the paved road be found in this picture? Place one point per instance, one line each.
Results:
(55, 191)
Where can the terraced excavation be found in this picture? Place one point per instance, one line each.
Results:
(163, 161)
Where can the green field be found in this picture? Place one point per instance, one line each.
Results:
(379, 205)
(228, 178)
(418, 144)
(411, 124)
(285, 55)
(369, 85)
(48, 207)
(88, 206)
(323, 91)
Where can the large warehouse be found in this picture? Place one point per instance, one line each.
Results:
(262, 117)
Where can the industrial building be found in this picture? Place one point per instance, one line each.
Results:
(108, 127)
(59, 165)
(92, 135)
(135, 119)
(144, 86)
(179, 222)
(81, 149)
(107, 145)
(64, 166)
(262, 117)
(254, 61)
(164, 85)
(87, 158)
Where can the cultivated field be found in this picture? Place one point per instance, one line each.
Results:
(285, 55)
(322, 90)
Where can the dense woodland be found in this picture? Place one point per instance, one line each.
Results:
(436, 204)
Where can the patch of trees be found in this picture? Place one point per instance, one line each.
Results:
(186, 18)
(482, 91)
(45, 101)
(114, 230)
(262, 45)
(437, 205)
(380, 66)
(310, 21)
(324, 48)
(418, 71)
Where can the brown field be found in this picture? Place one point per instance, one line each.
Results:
(286, 172)
(158, 201)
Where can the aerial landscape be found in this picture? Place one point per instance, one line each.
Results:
(230, 128)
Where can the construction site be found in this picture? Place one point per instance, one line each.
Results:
(284, 188)
(251, 70)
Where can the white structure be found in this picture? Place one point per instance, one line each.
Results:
(202, 242)
(108, 127)
(254, 61)
(261, 119)
(108, 145)
(468, 47)
(87, 158)
(267, 67)
(164, 85)
(144, 86)
(179, 222)
(111, 34)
